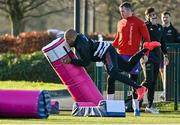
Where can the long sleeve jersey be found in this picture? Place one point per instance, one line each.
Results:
(88, 50)
(130, 32)
(156, 34)
(171, 35)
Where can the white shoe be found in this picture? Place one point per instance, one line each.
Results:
(152, 110)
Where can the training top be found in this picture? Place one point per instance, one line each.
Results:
(171, 34)
(130, 32)
(156, 34)
(88, 50)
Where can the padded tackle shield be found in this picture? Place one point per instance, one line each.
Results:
(24, 104)
(75, 78)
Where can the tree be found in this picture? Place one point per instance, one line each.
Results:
(109, 9)
(112, 11)
(19, 11)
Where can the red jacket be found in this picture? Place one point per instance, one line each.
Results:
(130, 32)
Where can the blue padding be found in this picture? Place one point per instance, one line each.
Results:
(44, 104)
(55, 108)
(116, 114)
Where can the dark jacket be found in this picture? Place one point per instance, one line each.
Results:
(156, 34)
(85, 49)
(171, 35)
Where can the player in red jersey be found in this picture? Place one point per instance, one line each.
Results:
(130, 31)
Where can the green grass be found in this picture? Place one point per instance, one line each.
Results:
(167, 116)
(66, 118)
(26, 85)
(166, 106)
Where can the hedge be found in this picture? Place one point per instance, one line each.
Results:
(32, 67)
(29, 42)
(20, 59)
(26, 42)
(29, 67)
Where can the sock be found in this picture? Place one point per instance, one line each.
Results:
(135, 103)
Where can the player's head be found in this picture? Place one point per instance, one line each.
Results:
(70, 36)
(125, 10)
(150, 15)
(166, 18)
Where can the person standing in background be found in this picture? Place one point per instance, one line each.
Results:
(130, 31)
(171, 36)
(151, 67)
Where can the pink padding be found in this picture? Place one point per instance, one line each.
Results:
(19, 103)
(55, 45)
(79, 84)
(86, 104)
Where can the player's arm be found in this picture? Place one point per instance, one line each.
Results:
(164, 48)
(85, 57)
(116, 41)
(177, 36)
(163, 43)
(146, 37)
(84, 51)
(144, 31)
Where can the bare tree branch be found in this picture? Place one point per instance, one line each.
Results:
(27, 5)
(45, 14)
(4, 9)
(23, 3)
(2, 2)
(31, 7)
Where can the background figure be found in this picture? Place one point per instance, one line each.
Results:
(130, 31)
(171, 36)
(151, 67)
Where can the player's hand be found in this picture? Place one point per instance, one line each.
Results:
(145, 59)
(67, 61)
(166, 60)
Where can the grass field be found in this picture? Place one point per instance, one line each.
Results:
(167, 115)
(26, 85)
(65, 118)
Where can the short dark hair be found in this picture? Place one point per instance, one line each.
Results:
(126, 5)
(166, 13)
(149, 10)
